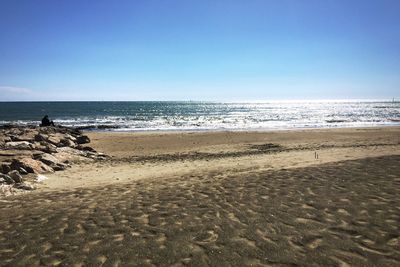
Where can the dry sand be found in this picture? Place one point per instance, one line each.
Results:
(219, 199)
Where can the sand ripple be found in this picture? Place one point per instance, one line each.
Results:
(341, 214)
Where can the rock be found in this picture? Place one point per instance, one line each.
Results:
(15, 176)
(53, 162)
(70, 137)
(7, 178)
(55, 140)
(39, 146)
(22, 171)
(5, 139)
(19, 153)
(17, 164)
(83, 139)
(87, 148)
(14, 138)
(41, 137)
(5, 167)
(28, 136)
(31, 165)
(48, 159)
(49, 148)
(68, 154)
(68, 142)
(24, 186)
(19, 145)
(60, 167)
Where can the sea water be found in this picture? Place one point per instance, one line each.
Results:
(153, 115)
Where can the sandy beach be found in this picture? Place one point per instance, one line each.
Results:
(283, 198)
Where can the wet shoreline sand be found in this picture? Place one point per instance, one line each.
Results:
(218, 199)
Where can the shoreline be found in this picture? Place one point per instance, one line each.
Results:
(194, 130)
(144, 156)
(250, 130)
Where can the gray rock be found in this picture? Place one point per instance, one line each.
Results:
(31, 165)
(7, 178)
(86, 148)
(70, 137)
(19, 145)
(60, 167)
(24, 186)
(15, 176)
(27, 136)
(17, 164)
(5, 168)
(48, 159)
(83, 139)
(40, 137)
(22, 171)
(49, 148)
(52, 161)
(54, 140)
(4, 139)
(68, 142)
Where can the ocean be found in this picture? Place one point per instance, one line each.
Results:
(170, 116)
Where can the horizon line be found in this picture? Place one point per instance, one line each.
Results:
(222, 101)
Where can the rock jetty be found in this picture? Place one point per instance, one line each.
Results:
(29, 151)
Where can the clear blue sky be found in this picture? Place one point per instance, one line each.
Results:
(199, 50)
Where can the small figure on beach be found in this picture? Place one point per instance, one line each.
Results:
(46, 121)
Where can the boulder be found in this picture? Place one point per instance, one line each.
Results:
(24, 186)
(70, 137)
(68, 154)
(41, 137)
(68, 142)
(22, 171)
(19, 153)
(5, 139)
(15, 176)
(28, 136)
(31, 165)
(5, 167)
(60, 167)
(87, 148)
(19, 145)
(52, 161)
(48, 159)
(48, 148)
(7, 178)
(39, 146)
(83, 139)
(55, 140)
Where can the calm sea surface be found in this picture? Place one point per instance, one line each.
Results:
(145, 116)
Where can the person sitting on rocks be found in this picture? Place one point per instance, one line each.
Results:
(46, 122)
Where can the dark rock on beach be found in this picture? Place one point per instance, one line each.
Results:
(83, 139)
(6, 179)
(15, 176)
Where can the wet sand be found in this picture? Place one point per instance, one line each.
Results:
(218, 202)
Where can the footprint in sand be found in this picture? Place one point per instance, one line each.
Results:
(343, 212)
(118, 237)
(207, 237)
(314, 242)
(46, 246)
(102, 259)
(340, 262)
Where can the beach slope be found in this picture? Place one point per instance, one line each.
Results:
(218, 199)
